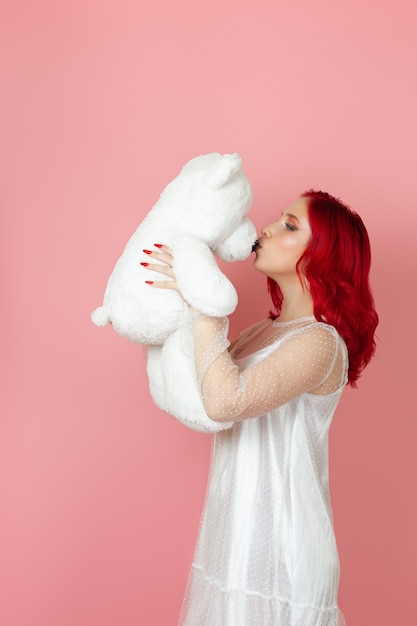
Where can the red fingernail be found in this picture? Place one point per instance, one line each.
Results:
(158, 245)
(145, 264)
(148, 251)
(149, 282)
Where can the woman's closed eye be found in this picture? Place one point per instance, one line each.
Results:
(289, 226)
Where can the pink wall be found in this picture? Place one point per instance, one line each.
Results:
(101, 493)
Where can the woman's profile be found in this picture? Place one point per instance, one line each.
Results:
(266, 551)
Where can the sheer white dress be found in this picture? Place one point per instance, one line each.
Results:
(266, 552)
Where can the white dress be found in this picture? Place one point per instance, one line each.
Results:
(266, 552)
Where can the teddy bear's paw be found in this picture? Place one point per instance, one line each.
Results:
(218, 304)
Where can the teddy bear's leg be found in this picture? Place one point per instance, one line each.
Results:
(182, 395)
(155, 375)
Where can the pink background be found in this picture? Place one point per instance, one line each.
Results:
(103, 101)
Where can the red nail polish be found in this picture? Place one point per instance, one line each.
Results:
(149, 282)
(145, 264)
(148, 251)
(158, 245)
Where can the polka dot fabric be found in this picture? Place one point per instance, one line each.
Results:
(266, 553)
(298, 357)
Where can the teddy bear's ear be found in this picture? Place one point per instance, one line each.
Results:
(224, 170)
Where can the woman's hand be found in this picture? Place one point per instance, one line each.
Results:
(163, 255)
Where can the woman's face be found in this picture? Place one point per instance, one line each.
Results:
(283, 242)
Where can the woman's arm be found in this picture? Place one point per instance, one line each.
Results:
(298, 365)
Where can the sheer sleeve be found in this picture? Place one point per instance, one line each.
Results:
(299, 363)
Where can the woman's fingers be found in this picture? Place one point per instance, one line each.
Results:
(161, 269)
(164, 284)
(164, 261)
(164, 249)
(163, 254)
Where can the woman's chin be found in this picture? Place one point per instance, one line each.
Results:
(257, 266)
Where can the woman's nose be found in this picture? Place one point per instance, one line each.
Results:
(265, 231)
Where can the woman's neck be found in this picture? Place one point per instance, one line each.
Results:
(297, 302)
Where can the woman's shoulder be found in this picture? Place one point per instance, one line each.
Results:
(307, 329)
(271, 333)
(269, 330)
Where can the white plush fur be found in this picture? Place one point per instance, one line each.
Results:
(201, 212)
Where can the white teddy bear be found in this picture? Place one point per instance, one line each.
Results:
(201, 212)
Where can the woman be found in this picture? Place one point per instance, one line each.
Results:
(266, 553)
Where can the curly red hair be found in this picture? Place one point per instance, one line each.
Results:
(336, 264)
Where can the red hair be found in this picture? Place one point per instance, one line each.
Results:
(336, 264)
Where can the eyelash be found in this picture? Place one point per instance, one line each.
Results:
(289, 226)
